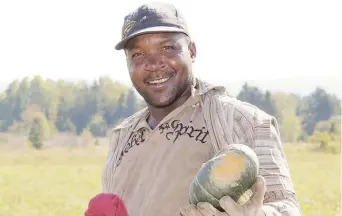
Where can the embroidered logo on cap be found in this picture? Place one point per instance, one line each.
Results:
(129, 24)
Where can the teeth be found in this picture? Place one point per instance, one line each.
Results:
(158, 81)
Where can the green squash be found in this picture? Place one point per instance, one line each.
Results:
(232, 171)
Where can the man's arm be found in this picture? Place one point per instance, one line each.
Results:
(280, 198)
(260, 132)
(109, 167)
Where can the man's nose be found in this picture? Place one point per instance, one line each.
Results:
(154, 63)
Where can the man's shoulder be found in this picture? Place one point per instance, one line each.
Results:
(243, 110)
(252, 121)
(216, 93)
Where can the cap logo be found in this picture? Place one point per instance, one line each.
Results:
(127, 27)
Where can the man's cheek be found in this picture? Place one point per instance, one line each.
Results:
(134, 71)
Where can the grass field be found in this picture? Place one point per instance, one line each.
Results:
(57, 182)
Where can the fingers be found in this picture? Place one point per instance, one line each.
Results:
(202, 209)
(259, 189)
(230, 206)
(255, 202)
(190, 210)
(206, 209)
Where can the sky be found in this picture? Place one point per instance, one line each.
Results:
(236, 40)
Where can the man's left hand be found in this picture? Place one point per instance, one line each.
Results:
(251, 208)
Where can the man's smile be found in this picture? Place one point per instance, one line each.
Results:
(159, 80)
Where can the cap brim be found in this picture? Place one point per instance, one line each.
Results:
(121, 45)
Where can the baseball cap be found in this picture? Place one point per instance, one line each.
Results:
(150, 18)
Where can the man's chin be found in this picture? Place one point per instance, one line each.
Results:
(164, 100)
(160, 104)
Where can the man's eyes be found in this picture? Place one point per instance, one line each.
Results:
(164, 48)
(136, 54)
(168, 48)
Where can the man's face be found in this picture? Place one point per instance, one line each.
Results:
(160, 66)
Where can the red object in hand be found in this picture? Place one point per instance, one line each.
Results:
(106, 205)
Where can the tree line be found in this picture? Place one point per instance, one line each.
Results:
(41, 108)
(312, 118)
(60, 106)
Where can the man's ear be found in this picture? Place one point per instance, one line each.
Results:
(193, 51)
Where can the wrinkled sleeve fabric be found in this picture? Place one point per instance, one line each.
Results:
(280, 198)
(109, 168)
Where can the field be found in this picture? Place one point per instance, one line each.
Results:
(60, 181)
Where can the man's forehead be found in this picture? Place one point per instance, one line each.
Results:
(156, 38)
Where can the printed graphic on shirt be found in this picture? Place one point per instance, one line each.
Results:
(175, 129)
(171, 130)
(135, 139)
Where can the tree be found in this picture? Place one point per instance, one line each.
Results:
(97, 126)
(331, 126)
(6, 117)
(256, 97)
(83, 109)
(36, 135)
(131, 103)
(290, 128)
(285, 112)
(323, 138)
(251, 94)
(120, 109)
(66, 106)
(64, 124)
(268, 104)
(318, 106)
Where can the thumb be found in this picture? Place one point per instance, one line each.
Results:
(257, 198)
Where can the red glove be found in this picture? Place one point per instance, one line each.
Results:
(106, 205)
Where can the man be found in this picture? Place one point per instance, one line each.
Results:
(155, 154)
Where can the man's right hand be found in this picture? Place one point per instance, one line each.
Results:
(250, 208)
(201, 209)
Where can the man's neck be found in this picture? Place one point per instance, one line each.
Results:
(158, 114)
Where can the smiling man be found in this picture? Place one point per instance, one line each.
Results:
(160, 69)
(155, 154)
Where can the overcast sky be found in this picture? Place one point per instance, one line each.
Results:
(74, 39)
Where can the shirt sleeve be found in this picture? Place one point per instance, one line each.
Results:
(280, 198)
(109, 167)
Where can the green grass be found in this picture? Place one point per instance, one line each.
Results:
(317, 180)
(49, 183)
(57, 182)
